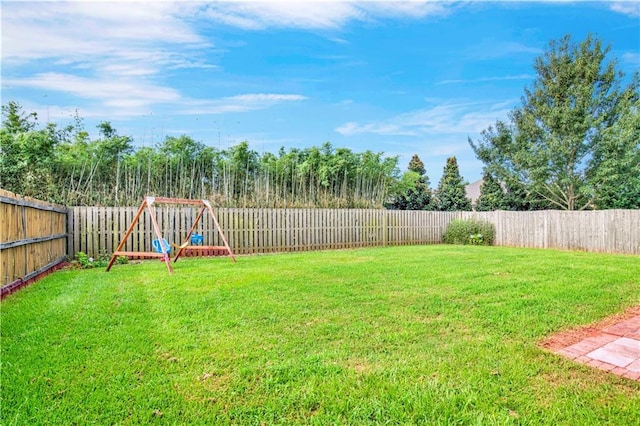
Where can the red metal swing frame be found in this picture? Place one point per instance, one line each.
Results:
(148, 204)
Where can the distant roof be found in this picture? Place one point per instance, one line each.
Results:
(473, 190)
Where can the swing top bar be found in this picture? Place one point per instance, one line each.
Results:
(167, 200)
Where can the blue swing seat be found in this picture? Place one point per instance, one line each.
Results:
(157, 247)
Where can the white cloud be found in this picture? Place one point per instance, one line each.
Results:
(83, 30)
(127, 70)
(445, 118)
(484, 79)
(132, 97)
(631, 8)
(261, 15)
(265, 97)
(115, 53)
(339, 40)
(380, 128)
(492, 49)
(448, 149)
(238, 103)
(632, 58)
(405, 9)
(113, 57)
(317, 15)
(91, 88)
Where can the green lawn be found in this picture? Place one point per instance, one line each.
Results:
(402, 335)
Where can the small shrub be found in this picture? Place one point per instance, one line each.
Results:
(103, 259)
(469, 231)
(84, 260)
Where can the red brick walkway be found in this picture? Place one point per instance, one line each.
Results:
(615, 348)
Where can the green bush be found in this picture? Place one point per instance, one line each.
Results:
(470, 231)
(86, 262)
(103, 259)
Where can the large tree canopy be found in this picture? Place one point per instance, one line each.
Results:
(573, 143)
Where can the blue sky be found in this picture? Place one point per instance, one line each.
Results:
(401, 78)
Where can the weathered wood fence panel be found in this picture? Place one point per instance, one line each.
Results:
(97, 230)
(608, 231)
(33, 238)
(249, 231)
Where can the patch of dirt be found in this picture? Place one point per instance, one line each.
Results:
(574, 335)
(359, 366)
(215, 381)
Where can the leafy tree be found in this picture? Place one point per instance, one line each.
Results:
(32, 164)
(27, 154)
(110, 150)
(492, 195)
(451, 194)
(552, 142)
(243, 163)
(616, 180)
(498, 161)
(412, 192)
(12, 165)
(374, 175)
(519, 198)
(409, 193)
(17, 121)
(416, 165)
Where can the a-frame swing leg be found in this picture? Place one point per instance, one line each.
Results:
(215, 221)
(116, 253)
(183, 246)
(156, 228)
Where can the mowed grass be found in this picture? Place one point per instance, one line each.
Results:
(400, 335)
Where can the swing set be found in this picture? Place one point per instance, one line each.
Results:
(162, 247)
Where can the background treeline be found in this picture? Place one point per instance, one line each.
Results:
(68, 167)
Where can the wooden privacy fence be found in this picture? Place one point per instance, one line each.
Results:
(607, 231)
(32, 239)
(96, 230)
